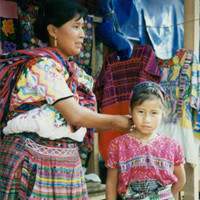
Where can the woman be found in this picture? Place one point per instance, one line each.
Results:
(47, 111)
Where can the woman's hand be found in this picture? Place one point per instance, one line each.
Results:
(123, 123)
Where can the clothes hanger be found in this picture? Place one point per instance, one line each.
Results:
(125, 54)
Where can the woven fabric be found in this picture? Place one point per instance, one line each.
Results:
(118, 78)
(27, 173)
(181, 83)
(10, 35)
(51, 151)
(148, 190)
(115, 83)
(138, 161)
(27, 16)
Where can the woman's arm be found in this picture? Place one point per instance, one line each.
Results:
(84, 117)
(111, 184)
(179, 171)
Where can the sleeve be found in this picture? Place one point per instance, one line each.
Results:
(47, 82)
(195, 91)
(179, 155)
(113, 152)
(100, 84)
(149, 63)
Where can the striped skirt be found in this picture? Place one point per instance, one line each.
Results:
(35, 168)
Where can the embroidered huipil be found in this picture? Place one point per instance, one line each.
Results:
(144, 161)
(115, 82)
(38, 84)
(181, 83)
(45, 79)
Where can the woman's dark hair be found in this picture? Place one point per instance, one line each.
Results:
(147, 90)
(56, 12)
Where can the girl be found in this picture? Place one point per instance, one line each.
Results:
(144, 164)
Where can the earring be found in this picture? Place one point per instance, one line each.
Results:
(132, 128)
(55, 42)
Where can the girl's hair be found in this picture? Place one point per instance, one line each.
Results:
(56, 12)
(147, 90)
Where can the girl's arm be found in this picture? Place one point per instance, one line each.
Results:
(84, 117)
(111, 184)
(179, 171)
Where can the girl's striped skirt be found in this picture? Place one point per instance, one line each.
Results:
(36, 168)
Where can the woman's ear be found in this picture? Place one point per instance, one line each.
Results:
(52, 30)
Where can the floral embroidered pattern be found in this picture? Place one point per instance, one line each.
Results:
(8, 27)
(9, 47)
(10, 35)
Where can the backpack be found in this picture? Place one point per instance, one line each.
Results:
(11, 67)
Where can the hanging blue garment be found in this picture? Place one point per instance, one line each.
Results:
(128, 18)
(109, 31)
(162, 22)
(157, 23)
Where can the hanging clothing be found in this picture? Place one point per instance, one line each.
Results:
(28, 11)
(164, 33)
(10, 36)
(115, 82)
(181, 83)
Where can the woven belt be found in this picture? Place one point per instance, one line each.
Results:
(51, 151)
(147, 190)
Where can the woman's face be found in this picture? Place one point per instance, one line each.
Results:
(70, 37)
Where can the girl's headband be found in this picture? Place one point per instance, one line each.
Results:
(148, 84)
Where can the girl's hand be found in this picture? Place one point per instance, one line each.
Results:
(179, 171)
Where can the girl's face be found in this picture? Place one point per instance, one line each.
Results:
(147, 116)
(70, 37)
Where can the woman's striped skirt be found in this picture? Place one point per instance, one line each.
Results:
(36, 168)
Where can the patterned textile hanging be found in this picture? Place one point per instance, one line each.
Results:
(116, 81)
(10, 37)
(181, 83)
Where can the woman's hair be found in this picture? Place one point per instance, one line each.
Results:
(147, 90)
(56, 12)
